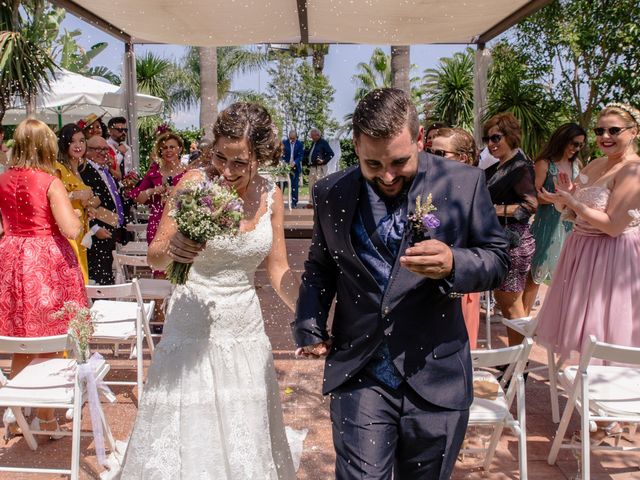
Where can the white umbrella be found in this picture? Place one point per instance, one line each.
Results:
(71, 97)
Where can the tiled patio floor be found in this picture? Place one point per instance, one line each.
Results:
(305, 407)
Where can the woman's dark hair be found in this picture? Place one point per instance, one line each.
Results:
(253, 123)
(560, 138)
(65, 137)
(508, 124)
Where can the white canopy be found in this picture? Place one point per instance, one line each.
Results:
(72, 97)
(242, 22)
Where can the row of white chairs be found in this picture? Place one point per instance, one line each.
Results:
(599, 393)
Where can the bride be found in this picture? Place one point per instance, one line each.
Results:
(211, 407)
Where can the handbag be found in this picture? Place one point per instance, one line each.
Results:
(513, 238)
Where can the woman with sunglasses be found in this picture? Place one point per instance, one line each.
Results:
(457, 144)
(560, 155)
(155, 186)
(596, 286)
(512, 188)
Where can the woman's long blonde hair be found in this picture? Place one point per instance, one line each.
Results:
(36, 146)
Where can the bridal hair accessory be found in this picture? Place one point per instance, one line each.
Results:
(423, 219)
(634, 112)
(204, 210)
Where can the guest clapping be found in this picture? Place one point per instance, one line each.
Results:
(160, 179)
(512, 188)
(560, 155)
(596, 286)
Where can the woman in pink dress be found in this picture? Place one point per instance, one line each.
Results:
(596, 287)
(155, 186)
(38, 270)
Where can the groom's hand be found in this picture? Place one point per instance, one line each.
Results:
(430, 258)
(316, 350)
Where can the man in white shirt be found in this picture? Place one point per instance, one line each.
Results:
(118, 142)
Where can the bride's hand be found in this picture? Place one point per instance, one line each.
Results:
(183, 249)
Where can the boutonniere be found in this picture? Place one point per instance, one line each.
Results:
(423, 219)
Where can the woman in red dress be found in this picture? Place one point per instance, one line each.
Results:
(38, 269)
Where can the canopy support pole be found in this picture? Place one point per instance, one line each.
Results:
(131, 111)
(480, 74)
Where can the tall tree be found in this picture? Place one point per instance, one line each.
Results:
(209, 84)
(400, 67)
(25, 67)
(317, 52)
(586, 52)
(300, 95)
(449, 90)
(76, 59)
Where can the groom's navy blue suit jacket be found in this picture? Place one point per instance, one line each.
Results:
(423, 326)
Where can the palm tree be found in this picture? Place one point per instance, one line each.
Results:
(76, 59)
(230, 61)
(377, 73)
(513, 88)
(317, 52)
(25, 67)
(209, 85)
(374, 74)
(400, 67)
(449, 89)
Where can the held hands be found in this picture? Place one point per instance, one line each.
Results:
(429, 258)
(183, 249)
(316, 350)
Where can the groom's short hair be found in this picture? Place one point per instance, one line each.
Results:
(383, 113)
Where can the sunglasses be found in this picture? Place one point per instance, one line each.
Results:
(121, 130)
(441, 153)
(495, 138)
(612, 131)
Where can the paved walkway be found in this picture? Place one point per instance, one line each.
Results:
(305, 407)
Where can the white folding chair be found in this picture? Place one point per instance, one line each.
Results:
(151, 288)
(495, 412)
(600, 393)
(48, 383)
(527, 326)
(133, 248)
(122, 321)
(139, 230)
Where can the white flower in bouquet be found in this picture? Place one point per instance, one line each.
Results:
(204, 210)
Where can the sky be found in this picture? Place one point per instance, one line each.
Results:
(340, 65)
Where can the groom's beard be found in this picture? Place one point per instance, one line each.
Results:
(375, 184)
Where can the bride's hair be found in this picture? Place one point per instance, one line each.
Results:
(253, 123)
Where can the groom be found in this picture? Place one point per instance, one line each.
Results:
(398, 366)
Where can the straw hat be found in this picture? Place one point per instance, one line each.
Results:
(88, 120)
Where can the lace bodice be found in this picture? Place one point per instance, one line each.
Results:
(219, 299)
(597, 197)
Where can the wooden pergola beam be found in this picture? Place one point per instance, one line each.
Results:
(508, 22)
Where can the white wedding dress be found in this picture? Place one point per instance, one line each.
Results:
(211, 406)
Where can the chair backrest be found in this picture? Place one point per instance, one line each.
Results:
(123, 261)
(498, 356)
(33, 345)
(608, 352)
(123, 290)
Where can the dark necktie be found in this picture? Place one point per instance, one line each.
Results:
(113, 188)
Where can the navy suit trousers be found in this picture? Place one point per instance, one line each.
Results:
(383, 433)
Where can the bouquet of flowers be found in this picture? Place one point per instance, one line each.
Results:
(423, 219)
(80, 326)
(202, 211)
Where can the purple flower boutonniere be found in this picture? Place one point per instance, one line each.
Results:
(423, 219)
